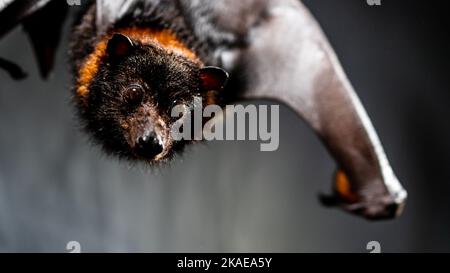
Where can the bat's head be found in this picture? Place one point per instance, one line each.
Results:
(132, 96)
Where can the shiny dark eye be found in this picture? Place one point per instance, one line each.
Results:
(133, 95)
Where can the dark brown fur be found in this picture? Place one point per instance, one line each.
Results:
(163, 64)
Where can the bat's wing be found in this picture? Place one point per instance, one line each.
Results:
(42, 21)
(109, 11)
(288, 59)
(13, 12)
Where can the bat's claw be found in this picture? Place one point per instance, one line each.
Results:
(381, 209)
(378, 205)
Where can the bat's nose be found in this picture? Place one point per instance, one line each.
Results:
(149, 145)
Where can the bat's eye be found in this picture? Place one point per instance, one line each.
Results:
(133, 95)
(175, 103)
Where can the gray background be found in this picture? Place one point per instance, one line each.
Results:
(55, 187)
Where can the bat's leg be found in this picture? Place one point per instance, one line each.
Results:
(289, 59)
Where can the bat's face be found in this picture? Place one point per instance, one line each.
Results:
(132, 96)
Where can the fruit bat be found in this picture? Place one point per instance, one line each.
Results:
(132, 60)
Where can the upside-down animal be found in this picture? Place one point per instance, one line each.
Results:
(133, 60)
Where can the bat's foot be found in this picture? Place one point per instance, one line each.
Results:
(378, 205)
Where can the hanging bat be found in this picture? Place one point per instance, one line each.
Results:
(134, 60)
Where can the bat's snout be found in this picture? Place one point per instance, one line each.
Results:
(149, 145)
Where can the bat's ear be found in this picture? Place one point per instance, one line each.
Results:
(213, 78)
(118, 47)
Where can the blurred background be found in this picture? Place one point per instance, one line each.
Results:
(55, 187)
